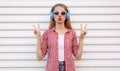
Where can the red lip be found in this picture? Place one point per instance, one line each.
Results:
(59, 19)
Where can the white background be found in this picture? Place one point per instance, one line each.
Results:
(18, 45)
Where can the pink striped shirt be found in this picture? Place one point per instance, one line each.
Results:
(50, 45)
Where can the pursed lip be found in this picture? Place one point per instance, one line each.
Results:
(59, 19)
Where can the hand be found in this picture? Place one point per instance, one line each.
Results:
(37, 31)
(83, 31)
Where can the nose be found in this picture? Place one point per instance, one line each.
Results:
(59, 14)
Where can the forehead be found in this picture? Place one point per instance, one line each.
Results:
(59, 8)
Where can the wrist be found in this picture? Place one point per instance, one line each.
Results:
(82, 37)
(37, 36)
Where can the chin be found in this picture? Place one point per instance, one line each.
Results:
(60, 22)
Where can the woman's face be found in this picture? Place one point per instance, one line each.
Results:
(59, 14)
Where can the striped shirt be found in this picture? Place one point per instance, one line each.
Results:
(50, 45)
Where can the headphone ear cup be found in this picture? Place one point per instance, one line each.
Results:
(51, 15)
(68, 15)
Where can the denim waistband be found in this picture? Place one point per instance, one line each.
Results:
(61, 62)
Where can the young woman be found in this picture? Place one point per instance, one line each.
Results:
(59, 41)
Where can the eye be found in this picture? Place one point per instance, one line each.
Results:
(56, 12)
(63, 13)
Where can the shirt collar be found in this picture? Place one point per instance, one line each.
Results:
(53, 29)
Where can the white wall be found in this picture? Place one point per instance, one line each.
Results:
(18, 44)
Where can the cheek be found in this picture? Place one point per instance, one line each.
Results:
(55, 17)
(64, 18)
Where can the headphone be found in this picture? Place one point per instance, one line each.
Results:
(67, 14)
(52, 15)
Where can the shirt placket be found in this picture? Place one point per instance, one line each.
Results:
(57, 49)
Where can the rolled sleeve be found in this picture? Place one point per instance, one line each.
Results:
(44, 44)
(75, 45)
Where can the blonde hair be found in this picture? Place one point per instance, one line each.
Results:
(67, 21)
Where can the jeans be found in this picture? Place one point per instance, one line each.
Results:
(61, 65)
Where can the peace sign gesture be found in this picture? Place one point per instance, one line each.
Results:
(37, 31)
(83, 31)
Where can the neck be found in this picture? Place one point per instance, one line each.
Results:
(60, 26)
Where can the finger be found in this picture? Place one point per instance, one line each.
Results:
(81, 27)
(34, 26)
(39, 26)
(85, 25)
